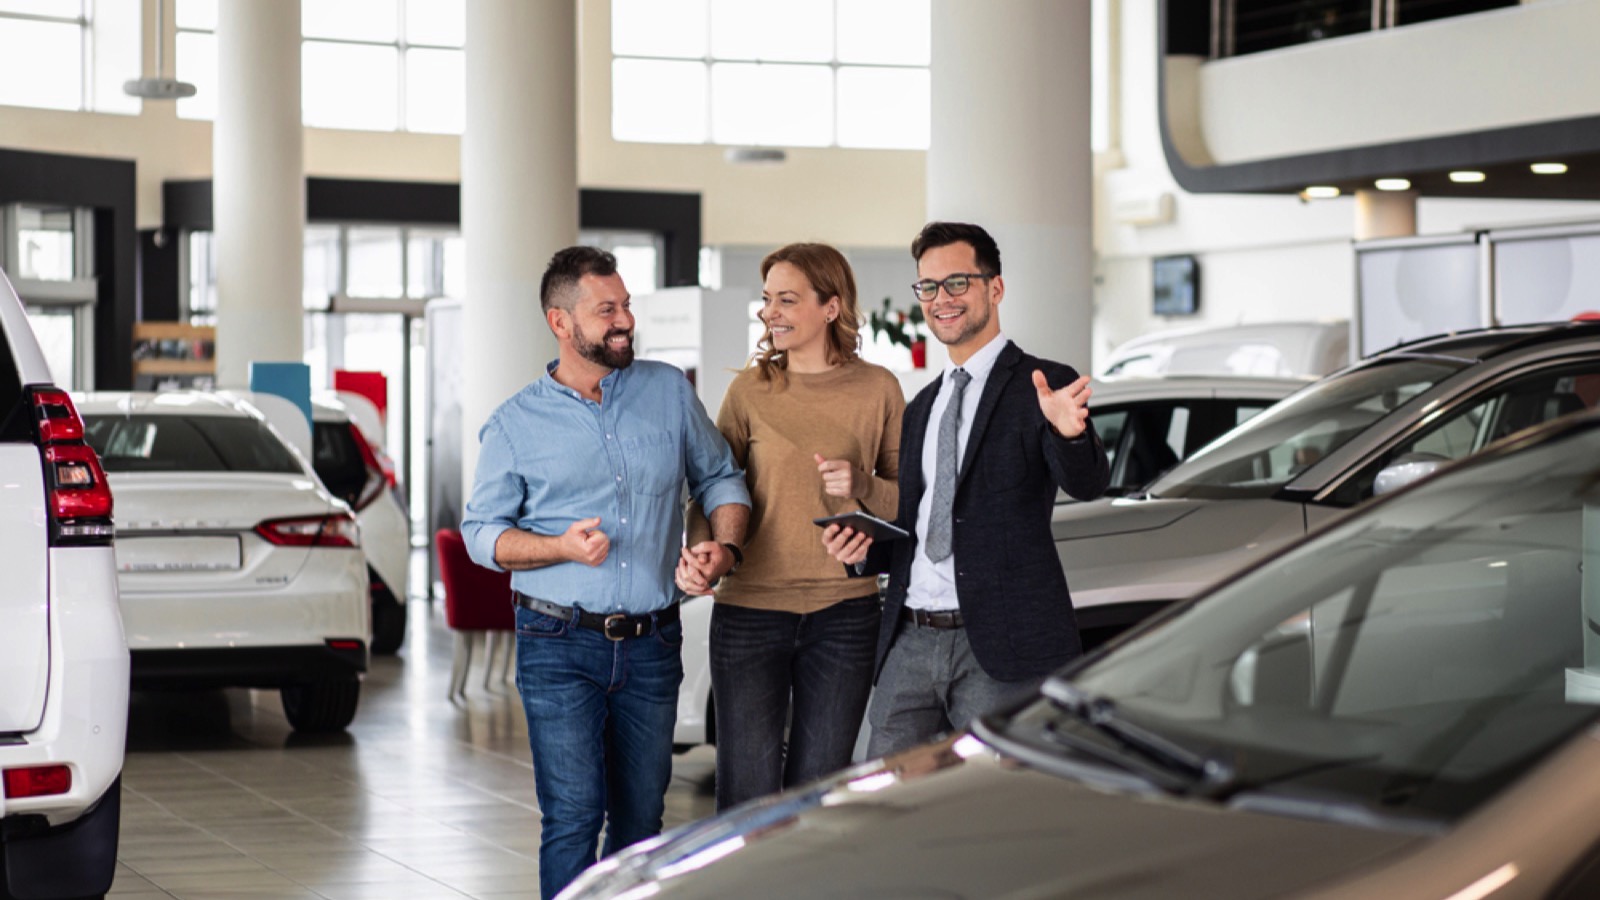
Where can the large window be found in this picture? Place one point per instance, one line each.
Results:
(69, 54)
(48, 253)
(799, 73)
(371, 65)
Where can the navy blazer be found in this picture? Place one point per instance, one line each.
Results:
(1009, 583)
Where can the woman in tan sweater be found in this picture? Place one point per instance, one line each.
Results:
(817, 431)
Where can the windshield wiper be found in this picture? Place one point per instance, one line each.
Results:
(1100, 713)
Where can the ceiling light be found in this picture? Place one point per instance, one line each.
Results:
(1549, 168)
(1466, 177)
(1393, 184)
(1320, 192)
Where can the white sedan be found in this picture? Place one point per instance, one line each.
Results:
(236, 566)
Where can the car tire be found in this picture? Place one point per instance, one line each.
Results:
(321, 706)
(388, 621)
(77, 861)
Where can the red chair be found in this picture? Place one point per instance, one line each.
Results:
(477, 607)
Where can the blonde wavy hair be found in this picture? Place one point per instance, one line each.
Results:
(829, 275)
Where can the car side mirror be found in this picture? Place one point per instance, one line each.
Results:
(1405, 469)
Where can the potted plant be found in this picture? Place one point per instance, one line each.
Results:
(904, 329)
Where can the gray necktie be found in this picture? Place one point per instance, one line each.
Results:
(944, 471)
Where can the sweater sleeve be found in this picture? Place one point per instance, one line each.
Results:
(883, 487)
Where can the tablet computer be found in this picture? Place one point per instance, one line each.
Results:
(866, 524)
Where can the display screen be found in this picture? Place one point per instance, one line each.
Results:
(1176, 281)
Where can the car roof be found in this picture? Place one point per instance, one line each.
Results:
(186, 403)
(1113, 389)
(1487, 343)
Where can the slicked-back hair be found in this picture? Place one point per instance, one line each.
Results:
(943, 234)
(559, 286)
(829, 274)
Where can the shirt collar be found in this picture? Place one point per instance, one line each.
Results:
(980, 364)
(606, 383)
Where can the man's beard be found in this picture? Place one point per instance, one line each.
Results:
(601, 353)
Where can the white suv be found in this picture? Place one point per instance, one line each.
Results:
(63, 658)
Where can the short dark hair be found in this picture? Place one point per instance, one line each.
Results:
(943, 234)
(559, 286)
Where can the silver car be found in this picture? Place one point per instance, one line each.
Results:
(1311, 458)
(1404, 706)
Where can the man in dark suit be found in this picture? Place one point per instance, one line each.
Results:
(977, 607)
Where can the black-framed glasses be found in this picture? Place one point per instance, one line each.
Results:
(955, 285)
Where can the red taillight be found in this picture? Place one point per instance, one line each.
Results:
(79, 498)
(58, 419)
(377, 478)
(37, 781)
(343, 644)
(77, 483)
(315, 531)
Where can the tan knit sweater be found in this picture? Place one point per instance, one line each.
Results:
(850, 412)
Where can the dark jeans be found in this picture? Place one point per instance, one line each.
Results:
(762, 663)
(600, 719)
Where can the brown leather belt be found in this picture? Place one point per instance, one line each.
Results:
(617, 626)
(928, 618)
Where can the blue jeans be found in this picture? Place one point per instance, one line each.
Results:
(600, 719)
(762, 663)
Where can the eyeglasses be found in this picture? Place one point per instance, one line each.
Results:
(955, 285)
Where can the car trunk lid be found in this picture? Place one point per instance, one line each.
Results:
(25, 602)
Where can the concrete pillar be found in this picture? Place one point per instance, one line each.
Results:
(1010, 151)
(1385, 214)
(519, 195)
(259, 187)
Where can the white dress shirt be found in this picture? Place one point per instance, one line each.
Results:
(933, 584)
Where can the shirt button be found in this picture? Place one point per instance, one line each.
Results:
(624, 565)
(619, 477)
(608, 437)
(624, 520)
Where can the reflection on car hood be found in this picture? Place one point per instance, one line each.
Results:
(1070, 521)
(930, 823)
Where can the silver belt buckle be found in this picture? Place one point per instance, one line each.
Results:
(605, 627)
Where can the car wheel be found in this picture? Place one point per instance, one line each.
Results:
(388, 621)
(321, 706)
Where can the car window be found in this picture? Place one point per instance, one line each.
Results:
(1109, 424)
(1500, 410)
(1413, 661)
(13, 426)
(173, 443)
(338, 460)
(1263, 454)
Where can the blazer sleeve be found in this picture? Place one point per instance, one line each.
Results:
(1077, 465)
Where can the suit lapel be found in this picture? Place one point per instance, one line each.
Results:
(913, 435)
(992, 388)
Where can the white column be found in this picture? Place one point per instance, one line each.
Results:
(1010, 152)
(258, 186)
(1385, 214)
(519, 195)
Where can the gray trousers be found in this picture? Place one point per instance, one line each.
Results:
(930, 684)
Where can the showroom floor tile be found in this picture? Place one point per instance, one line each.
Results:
(421, 799)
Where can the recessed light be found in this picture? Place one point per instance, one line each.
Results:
(1466, 177)
(1393, 184)
(1549, 168)
(1321, 192)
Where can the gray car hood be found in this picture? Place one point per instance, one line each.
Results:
(1127, 551)
(936, 825)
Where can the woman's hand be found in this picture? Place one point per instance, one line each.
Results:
(840, 478)
(846, 544)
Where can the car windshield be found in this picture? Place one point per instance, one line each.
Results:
(1265, 453)
(1409, 663)
(166, 443)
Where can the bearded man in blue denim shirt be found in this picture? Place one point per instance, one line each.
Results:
(578, 493)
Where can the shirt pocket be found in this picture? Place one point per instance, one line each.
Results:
(653, 463)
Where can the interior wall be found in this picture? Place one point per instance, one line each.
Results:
(1262, 258)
